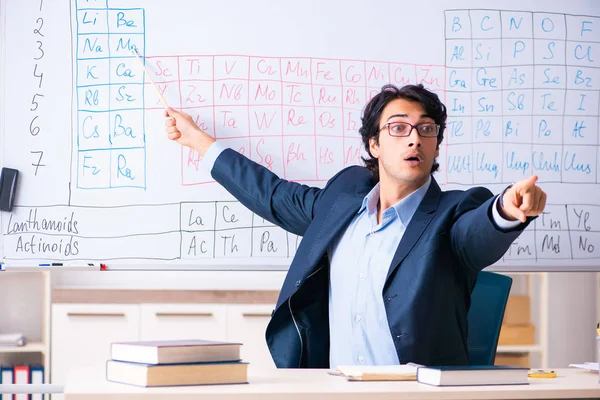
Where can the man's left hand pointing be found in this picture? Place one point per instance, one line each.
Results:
(524, 199)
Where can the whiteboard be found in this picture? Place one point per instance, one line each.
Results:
(284, 83)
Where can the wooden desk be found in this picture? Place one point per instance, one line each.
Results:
(292, 384)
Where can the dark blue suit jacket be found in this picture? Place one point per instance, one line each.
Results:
(450, 238)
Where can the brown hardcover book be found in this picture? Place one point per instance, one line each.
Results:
(175, 351)
(147, 375)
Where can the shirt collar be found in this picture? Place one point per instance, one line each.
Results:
(405, 208)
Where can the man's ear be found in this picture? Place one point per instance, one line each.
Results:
(374, 147)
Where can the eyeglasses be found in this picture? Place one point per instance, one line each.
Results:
(403, 129)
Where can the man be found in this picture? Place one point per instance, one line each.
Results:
(387, 263)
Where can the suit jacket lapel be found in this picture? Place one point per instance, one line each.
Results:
(423, 216)
(319, 236)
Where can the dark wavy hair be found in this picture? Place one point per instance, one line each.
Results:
(372, 114)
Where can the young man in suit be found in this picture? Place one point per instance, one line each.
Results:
(385, 269)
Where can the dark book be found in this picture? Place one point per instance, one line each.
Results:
(175, 351)
(473, 375)
(148, 375)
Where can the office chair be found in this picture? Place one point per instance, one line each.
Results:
(488, 302)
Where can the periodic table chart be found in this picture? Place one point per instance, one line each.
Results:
(100, 180)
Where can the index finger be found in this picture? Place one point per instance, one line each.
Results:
(526, 184)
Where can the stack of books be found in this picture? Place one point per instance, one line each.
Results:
(176, 363)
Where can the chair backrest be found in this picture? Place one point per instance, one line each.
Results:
(488, 302)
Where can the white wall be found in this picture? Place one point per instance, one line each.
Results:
(573, 307)
(170, 280)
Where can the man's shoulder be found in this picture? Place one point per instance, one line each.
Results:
(477, 192)
(356, 172)
(354, 175)
(458, 202)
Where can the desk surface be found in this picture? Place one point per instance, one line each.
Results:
(291, 384)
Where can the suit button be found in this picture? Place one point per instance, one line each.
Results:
(298, 282)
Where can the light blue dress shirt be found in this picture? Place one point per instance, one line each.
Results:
(360, 259)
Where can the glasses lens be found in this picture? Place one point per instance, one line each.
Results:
(399, 128)
(427, 130)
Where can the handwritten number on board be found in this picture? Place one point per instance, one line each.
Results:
(41, 75)
(38, 30)
(34, 129)
(35, 103)
(41, 51)
(38, 164)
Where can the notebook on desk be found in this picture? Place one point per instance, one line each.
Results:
(405, 372)
(590, 366)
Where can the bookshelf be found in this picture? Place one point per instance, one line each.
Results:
(525, 348)
(25, 299)
(534, 285)
(34, 347)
